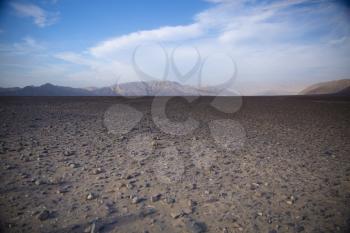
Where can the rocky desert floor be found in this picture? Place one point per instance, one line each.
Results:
(103, 164)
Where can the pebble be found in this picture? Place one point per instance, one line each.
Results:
(147, 211)
(39, 182)
(73, 165)
(191, 203)
(299, 228)
(170, 200)
(97, 171)
(90, 196)
(135, 200)
(156, 197)
(69, 153)
(90, 229)
(44, 215)
(195, 226)
(176, 213)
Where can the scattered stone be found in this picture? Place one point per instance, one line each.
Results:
(44, 215)
(187, 211)
(135, 200)
(39, 182)
(9, 167)
(97, 171)
(299, 228)
(147, 211)
(195, 226)
(191, 203)
(73, 165)
(91, 228)
(154, 144)
(176, 213)
(68, 153)
(170, 200)
(130, 186)
(62, 190)
(156, 197)
(90, 196)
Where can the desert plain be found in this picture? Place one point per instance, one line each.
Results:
(65, 167)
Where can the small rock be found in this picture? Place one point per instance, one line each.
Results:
(147, 211)
(195, 226)
(97, 171)
(135, 200)
(187, 211)
(90, 229)
(9, 167)
(154, 144)
(44, 215)
(176, 213)
(156, 197)
(191, 203)
(299, 228)
(90, 196)
(170, 200)
(68, 153)
(39, 182)
(73, 165)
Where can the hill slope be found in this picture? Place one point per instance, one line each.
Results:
(331, 87)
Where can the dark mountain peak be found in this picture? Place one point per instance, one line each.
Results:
(47, 85)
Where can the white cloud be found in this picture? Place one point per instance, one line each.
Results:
(157, 35)
(27, 45)
(41, 17)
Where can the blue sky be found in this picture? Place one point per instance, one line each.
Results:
(281, 46)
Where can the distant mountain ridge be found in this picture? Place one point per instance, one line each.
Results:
(336, 87)
(160, 88)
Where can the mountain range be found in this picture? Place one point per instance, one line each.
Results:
(159, 88)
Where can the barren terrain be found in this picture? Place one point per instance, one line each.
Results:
(64, 170)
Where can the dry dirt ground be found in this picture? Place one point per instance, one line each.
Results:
(63, 170)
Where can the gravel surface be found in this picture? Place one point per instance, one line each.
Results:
(279, 164)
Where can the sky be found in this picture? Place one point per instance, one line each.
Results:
(261, 47)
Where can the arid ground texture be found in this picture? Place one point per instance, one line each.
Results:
(64, 170)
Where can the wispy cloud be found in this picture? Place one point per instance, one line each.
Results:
(41, 17)
(27, 45)
(176, 33)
